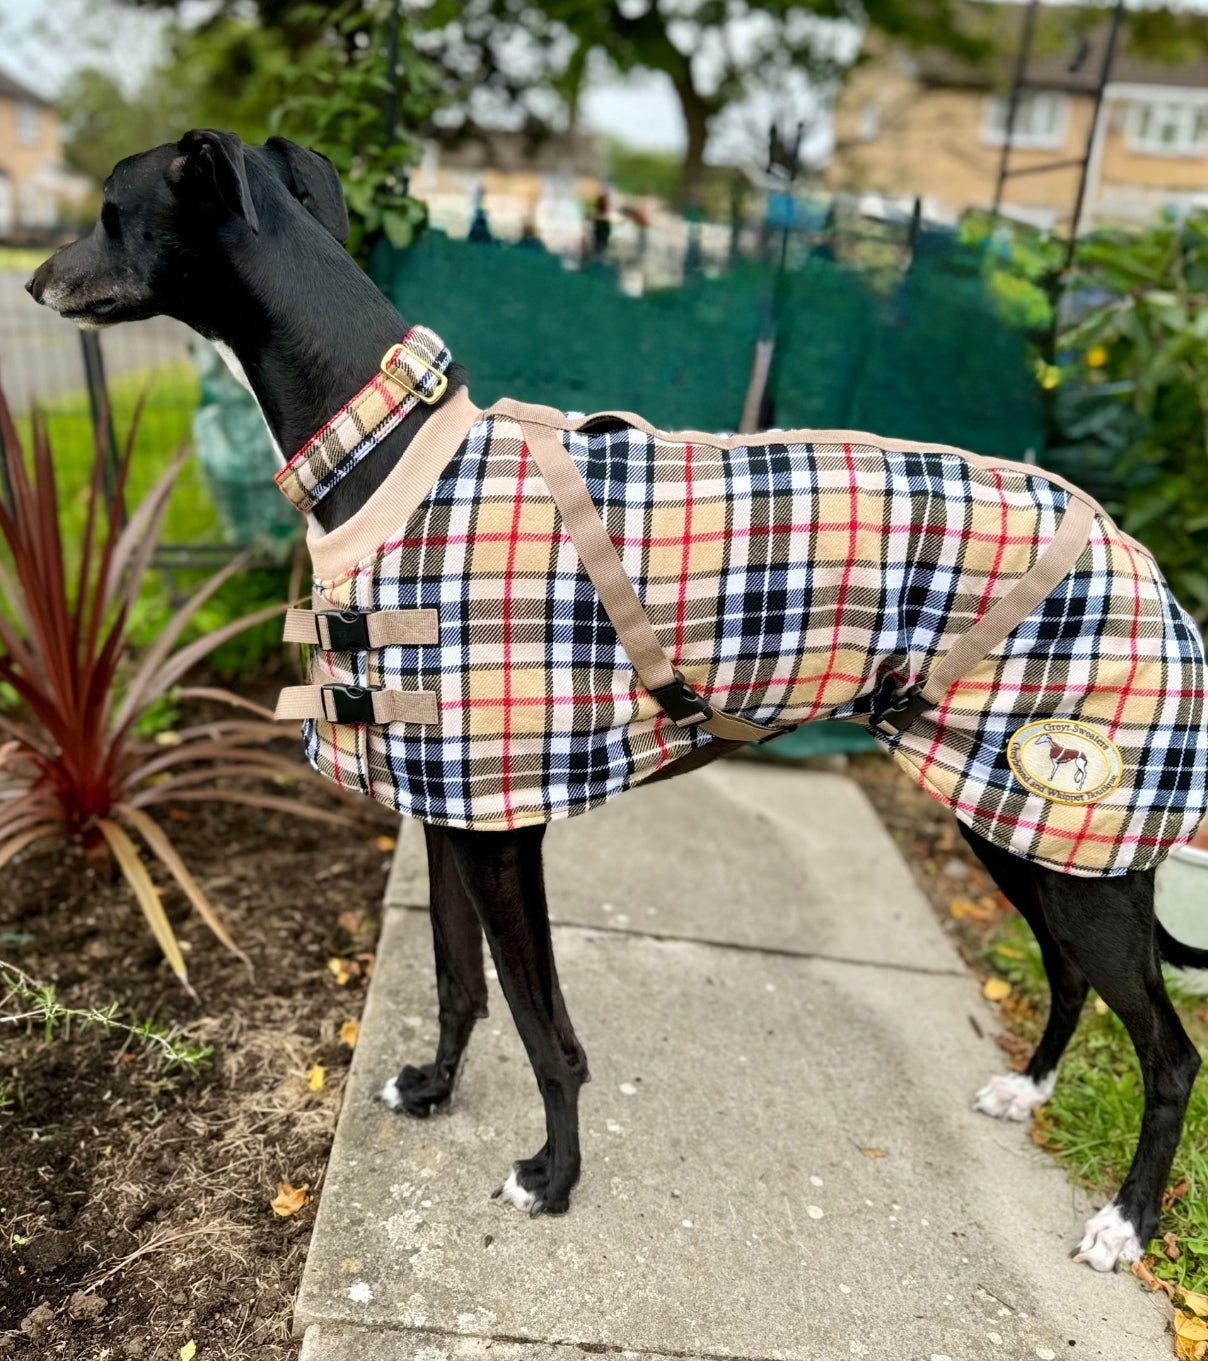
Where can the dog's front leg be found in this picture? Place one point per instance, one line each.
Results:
(502, 875)
(461, 985)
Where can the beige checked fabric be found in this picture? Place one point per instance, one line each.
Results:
(788, 576)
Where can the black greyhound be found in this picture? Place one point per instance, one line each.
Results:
(243, 244)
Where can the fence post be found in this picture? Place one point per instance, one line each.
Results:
(104, 440)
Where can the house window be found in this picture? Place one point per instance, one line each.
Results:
(1168, 128)
(1041, 117)
(28, 130)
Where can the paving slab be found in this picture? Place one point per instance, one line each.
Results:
(327, 1342)
(779, 1161)
(739, 852)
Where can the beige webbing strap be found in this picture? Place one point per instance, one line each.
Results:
(1048, 571)
(603, 565)
(381, 628)
(327, 701)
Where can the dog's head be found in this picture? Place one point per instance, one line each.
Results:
(174, 216)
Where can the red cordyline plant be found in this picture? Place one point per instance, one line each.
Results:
(71, 762)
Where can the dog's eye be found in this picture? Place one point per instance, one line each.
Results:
(109, 220)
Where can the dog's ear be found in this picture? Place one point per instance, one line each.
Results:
(213, 162)
(312, 179)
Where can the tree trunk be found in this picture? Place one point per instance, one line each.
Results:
(698, 112)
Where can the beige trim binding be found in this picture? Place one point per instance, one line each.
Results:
(386, 628)
(401, 494)
(389, 706)
(603, 565)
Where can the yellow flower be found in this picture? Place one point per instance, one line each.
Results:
(1047, 375)
(1096, 357)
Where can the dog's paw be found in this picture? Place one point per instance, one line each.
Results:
(512, 1193)
(391, 1096)
(1109, 1240)
(531, 1187)
(1013, 1096)
(416, 1091)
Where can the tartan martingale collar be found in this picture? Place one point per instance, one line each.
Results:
(411, 372)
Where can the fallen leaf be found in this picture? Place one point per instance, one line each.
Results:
(289, 1199)
(873, 1152)
(344, 971)
(996, 989)
(1171, 1244)
(367, 961)
(1100, 1007)
(1008, 952)
(350, 921)
(1188, 1332)
(1151, 1282)
(966, 908)
(188, 1351)
(1173, 1193)
(350, 1032)
(168, 738)
(316, 1077)
(383, 843)
(1196, 1303)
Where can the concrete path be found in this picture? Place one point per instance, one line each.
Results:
(779, 1156)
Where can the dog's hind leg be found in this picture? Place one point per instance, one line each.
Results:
(1014, 1096)
(461, 986)
(502, 875)
(1107, 927)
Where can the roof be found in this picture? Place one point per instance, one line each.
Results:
(503, 149)
(11, 88)
(1156, 47)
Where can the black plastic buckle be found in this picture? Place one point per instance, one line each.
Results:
(680, 702)
(896, 706)
(352, 703)
(348, 630)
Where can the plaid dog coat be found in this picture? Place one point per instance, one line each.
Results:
(1021, 658)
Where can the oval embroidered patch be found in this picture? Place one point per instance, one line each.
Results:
(1065, 761)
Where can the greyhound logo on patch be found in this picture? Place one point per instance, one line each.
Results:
(1065, 761)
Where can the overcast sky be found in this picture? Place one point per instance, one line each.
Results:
(41, 43)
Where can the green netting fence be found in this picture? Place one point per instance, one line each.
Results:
(921, 355)
(928, 359)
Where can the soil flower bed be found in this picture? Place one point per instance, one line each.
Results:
(136, 1208)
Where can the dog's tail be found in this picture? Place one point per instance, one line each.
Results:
(1176, 952)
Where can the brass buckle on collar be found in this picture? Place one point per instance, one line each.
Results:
(428, 399)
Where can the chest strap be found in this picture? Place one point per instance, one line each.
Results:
(354, 631)
(680, 702)
(356, 704)
(1048, 571)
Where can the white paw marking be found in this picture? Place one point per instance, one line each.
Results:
(1109, 1240)
(391, 1096)
(514, 1194)
(1013, 1096)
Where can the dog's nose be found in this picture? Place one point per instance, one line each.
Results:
(34, 288)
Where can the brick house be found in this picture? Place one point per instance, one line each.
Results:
(926, 124)
(35, 189)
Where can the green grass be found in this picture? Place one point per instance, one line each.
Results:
(1093, 1119)
(170, 395)
(21, 259)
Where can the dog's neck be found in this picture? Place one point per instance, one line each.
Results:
(305, 341)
